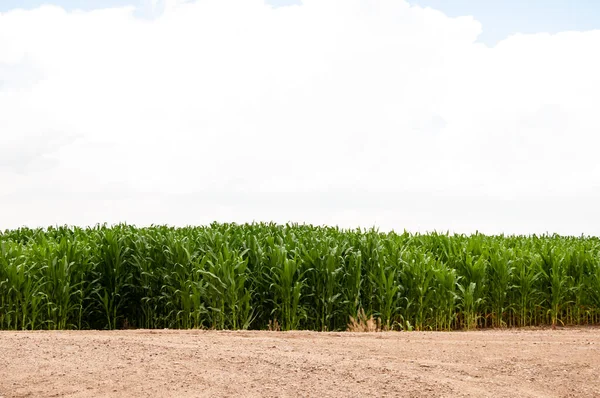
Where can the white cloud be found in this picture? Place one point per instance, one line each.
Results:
(353, 112)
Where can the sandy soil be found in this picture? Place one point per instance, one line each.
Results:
(143, 363)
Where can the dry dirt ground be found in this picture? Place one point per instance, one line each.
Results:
(144, 363)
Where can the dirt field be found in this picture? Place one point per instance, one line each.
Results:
(142, 363)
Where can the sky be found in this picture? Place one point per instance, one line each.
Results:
(503, 18)
(499, 18)
(456, 116)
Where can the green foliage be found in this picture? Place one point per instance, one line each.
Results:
(229, 276)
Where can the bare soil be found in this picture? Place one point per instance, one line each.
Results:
(166, 363)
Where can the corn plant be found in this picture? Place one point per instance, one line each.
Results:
(288, 281)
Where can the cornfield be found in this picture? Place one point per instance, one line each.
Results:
(254, 276)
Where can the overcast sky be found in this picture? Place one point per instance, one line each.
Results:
(340, 112)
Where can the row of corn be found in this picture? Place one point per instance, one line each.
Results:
(261, 276)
